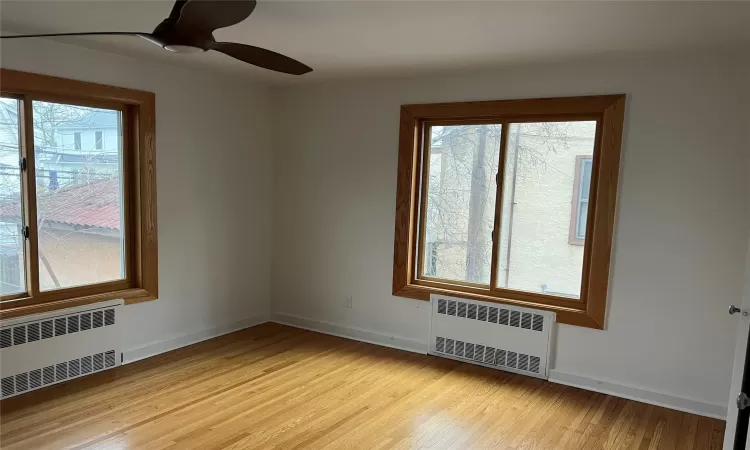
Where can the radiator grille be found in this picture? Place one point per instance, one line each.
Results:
(60, 326)
(46, 329)
(37, 378)
(86, 365)
(5, 338)
(85, 321)
(526, 321)
(48, 375)
(472, 311)
(461, 309)
(34, 331)
(98, 319)
(487, 355)
(19, 335)
(73, 324)
(491, 314)
(22, 382)
(482, 313)
(8, 387)
(109, 317)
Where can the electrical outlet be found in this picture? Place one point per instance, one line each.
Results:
(348, 302)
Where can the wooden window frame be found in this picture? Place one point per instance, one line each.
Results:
(607, 110)
(575, 201)
(139, 189)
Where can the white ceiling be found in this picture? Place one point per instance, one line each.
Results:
(363, 38)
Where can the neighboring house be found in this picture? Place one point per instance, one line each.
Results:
(79, 150)
(77, 224)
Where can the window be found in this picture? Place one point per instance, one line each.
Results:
(580, 203)
(99, 139)
(484, 202)
(76, 226)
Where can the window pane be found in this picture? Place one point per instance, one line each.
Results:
(12, 245)
(535, 253)
(461, 192)
(79, 195)
(585, 179)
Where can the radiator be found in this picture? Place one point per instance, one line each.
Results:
(44, 349)
(499, 336)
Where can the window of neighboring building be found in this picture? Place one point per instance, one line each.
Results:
(484, 206)
(580, 203)
(99, 140)
(74, 229)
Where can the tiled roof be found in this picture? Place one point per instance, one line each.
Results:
(95, 204)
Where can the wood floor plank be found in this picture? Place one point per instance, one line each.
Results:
(278, 387)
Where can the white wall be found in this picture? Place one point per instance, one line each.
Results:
(682, 228)
(214, 167)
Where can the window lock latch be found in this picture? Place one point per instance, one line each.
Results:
(22, 164)
(25, 231)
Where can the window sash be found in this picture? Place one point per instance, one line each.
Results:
(21, 269)
(422, 266)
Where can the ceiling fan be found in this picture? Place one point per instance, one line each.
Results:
(189, 29)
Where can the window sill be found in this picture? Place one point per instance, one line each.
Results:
(7, 310)
(583, 316)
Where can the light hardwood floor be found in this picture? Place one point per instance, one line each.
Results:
(274, 386)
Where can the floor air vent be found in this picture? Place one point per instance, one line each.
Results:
(503, 337)
(49, 348)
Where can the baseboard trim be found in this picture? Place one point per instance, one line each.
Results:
(358, 334)
(640, 395)
(156, 348)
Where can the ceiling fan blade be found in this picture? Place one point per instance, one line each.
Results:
(209, 15)
(262, 58)
(96, 33)
(174, 14)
